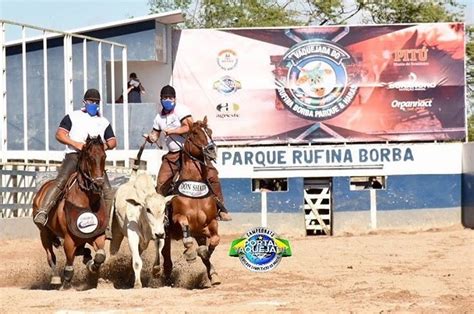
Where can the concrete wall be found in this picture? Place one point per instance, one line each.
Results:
(468, 186)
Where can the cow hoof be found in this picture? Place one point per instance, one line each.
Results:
(215, 280)
(55, 281)
(137, 285)
(156, 271)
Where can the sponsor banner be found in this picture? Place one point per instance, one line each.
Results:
(339, 160)
(325, 84)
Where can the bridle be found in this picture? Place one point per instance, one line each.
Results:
(89, 183)
(208, 150)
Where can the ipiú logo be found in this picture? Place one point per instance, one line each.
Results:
(260, 250)
(316, 85)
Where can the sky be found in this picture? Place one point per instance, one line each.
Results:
(68, 14)
(71, 14)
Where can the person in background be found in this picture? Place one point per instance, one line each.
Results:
(135, 89)
(374, 183)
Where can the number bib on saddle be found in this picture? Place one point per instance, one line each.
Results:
(193, 189)
(87, 222)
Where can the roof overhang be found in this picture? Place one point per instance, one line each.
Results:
(168, 18)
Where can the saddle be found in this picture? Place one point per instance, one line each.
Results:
(83, 222)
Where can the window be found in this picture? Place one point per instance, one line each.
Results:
(367, 183)
(270, 185)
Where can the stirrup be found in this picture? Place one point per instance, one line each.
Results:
(41, 218)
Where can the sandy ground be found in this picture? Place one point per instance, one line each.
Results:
(391, 271)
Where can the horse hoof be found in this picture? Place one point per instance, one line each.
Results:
(168, 282)
(156, 271)
(203, 252)
(86, 259)
(90, 266)
(99, 257)
(215, 280)
(55, 281)
(190, 256)
(66, 286)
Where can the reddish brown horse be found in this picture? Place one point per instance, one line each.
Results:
(80, 216)
(194, 208)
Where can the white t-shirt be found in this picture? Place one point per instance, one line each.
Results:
(80, 124)
(172, 120)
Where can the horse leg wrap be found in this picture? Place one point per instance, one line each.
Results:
(68, 273)
(186, 233)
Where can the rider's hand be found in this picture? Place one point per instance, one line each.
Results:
(151, 138)
(78, 146)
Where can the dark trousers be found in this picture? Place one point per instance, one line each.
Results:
(69, 166)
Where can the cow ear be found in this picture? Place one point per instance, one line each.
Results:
(134, 202)
(205, 120)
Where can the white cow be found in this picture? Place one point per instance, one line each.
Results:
(139, 216)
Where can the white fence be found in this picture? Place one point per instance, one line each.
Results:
(20, 164)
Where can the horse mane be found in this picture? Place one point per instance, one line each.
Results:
(91, 141)
(94, 140)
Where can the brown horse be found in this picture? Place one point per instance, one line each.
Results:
(80, 216)
(194, 208)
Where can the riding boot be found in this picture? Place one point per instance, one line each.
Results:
(223, 213)
(41, 217)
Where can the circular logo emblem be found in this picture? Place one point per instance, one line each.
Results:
(226, 85)
(260, 250)
(87, 222)
(227, 59)
(317, 85)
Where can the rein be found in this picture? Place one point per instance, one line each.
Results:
(88, 183)
(84, 180)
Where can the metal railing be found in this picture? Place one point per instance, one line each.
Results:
(21, 167)
(69, 40)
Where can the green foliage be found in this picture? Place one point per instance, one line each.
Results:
(412, 11)
(470, 126)
(254, 13)
(470, 79)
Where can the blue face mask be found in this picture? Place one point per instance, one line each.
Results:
(92, 109)
(168, 105)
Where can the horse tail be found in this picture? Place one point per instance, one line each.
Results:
(117, 236)
(136, 163)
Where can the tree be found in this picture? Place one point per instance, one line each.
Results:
(255, 13)
(470, 76)
(411, 11)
